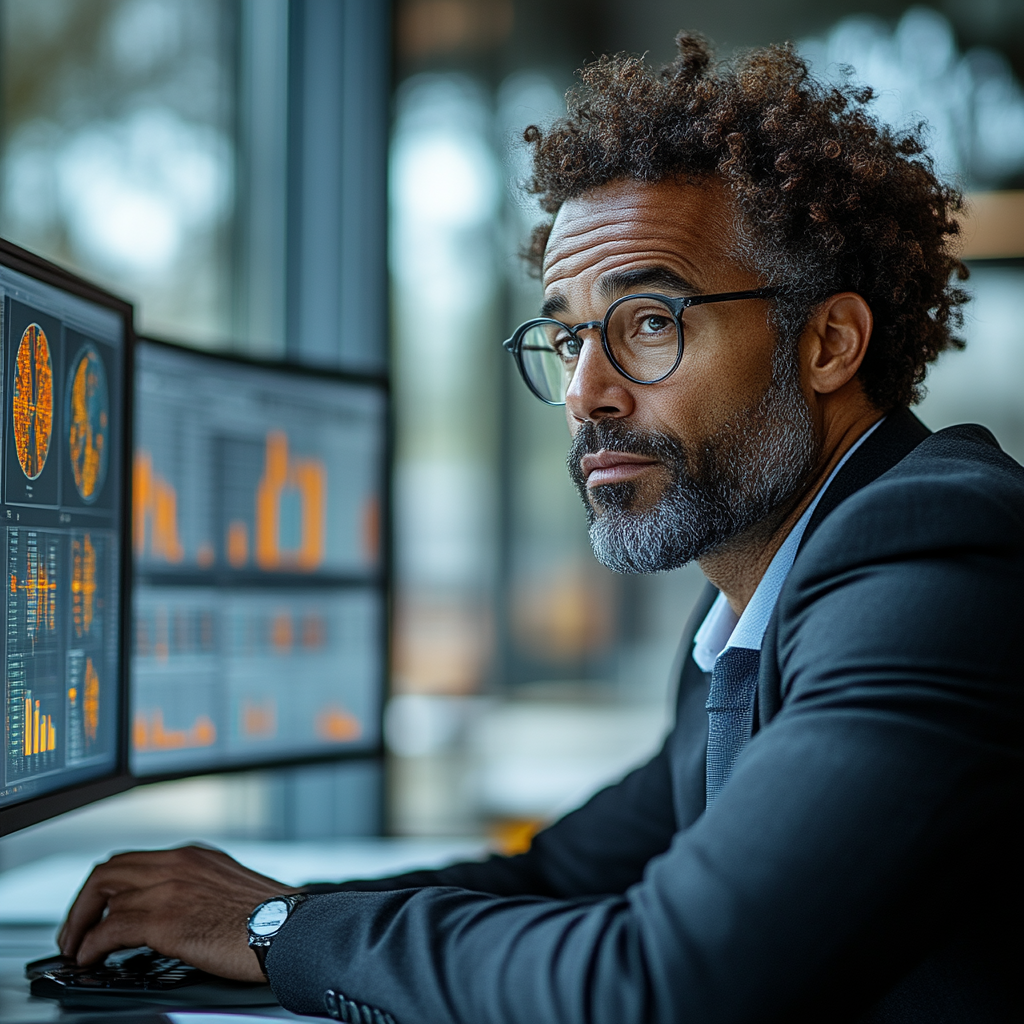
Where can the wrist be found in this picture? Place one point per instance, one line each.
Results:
(267, 919)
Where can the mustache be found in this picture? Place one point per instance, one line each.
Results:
(616, 436)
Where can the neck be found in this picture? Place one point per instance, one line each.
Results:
(737, 567)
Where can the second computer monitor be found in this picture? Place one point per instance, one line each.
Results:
(258, 496)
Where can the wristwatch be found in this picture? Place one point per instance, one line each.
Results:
(267, 920)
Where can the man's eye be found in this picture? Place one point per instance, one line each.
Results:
(655, 324)
(566, 346)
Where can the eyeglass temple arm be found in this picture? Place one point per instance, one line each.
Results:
(756, 293)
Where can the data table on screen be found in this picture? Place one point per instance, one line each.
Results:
(259, 599)
(62, 363)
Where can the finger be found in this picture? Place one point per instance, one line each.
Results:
(123, 871)
(139, 917)
(170, 917)
(86, 910)
(122, 930)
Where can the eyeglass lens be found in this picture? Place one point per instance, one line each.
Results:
(643, 339)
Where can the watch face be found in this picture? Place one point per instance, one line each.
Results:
(268, 917)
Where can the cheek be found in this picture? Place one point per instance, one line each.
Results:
(726, 370)
(731, 359)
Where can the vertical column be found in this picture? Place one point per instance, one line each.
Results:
(337, 149)
(336, 295)
(367, 97)
(261, 231)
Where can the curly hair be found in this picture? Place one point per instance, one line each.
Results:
(831, 199)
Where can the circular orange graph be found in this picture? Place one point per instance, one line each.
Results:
(88, 416)
(33, 401)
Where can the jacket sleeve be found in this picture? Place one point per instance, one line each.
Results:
(601, 848)
(860, 829)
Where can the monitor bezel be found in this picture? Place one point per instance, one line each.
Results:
(35, 809)
(382, 581)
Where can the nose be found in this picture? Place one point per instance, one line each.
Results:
(597, 390)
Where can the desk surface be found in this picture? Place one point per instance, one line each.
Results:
(33, 898)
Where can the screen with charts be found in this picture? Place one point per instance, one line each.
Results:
(259, 607)
(62, 432)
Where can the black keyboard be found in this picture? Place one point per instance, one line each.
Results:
(142, 974)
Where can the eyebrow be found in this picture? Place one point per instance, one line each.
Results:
(553, 305)
(621, 282)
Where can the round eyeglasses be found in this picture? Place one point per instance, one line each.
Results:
(642, 336)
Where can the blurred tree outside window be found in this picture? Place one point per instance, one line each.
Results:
(118, 149)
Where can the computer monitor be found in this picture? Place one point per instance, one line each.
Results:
(260, 594)
(66, 361)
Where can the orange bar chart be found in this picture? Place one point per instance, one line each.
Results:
(40, 732)
(307, 479)
(149, 733)
(238, 544)
(154, 513)
(336, 725)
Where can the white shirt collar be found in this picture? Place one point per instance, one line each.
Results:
(721, 628)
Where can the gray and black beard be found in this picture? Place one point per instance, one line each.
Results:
(744, 476)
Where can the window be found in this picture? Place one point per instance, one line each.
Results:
(119, 150)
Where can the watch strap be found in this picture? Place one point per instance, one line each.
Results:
(260, 944)
(261, 947)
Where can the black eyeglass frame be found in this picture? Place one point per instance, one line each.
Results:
(514, 345)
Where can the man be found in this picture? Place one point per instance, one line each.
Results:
(745, 279)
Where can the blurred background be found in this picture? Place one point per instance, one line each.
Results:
(168, 150)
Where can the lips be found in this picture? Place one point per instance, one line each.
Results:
(608, 467)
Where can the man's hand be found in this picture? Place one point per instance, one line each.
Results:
(190, 903)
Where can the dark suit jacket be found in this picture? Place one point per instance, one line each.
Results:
(861, 864)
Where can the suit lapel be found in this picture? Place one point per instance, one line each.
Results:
(899, 434)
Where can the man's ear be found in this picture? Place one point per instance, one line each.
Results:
(835, 341)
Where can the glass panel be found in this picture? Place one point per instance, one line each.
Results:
(983, 383)
(547, 370)
(118, 150)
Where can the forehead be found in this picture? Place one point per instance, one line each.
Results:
(688, 228)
